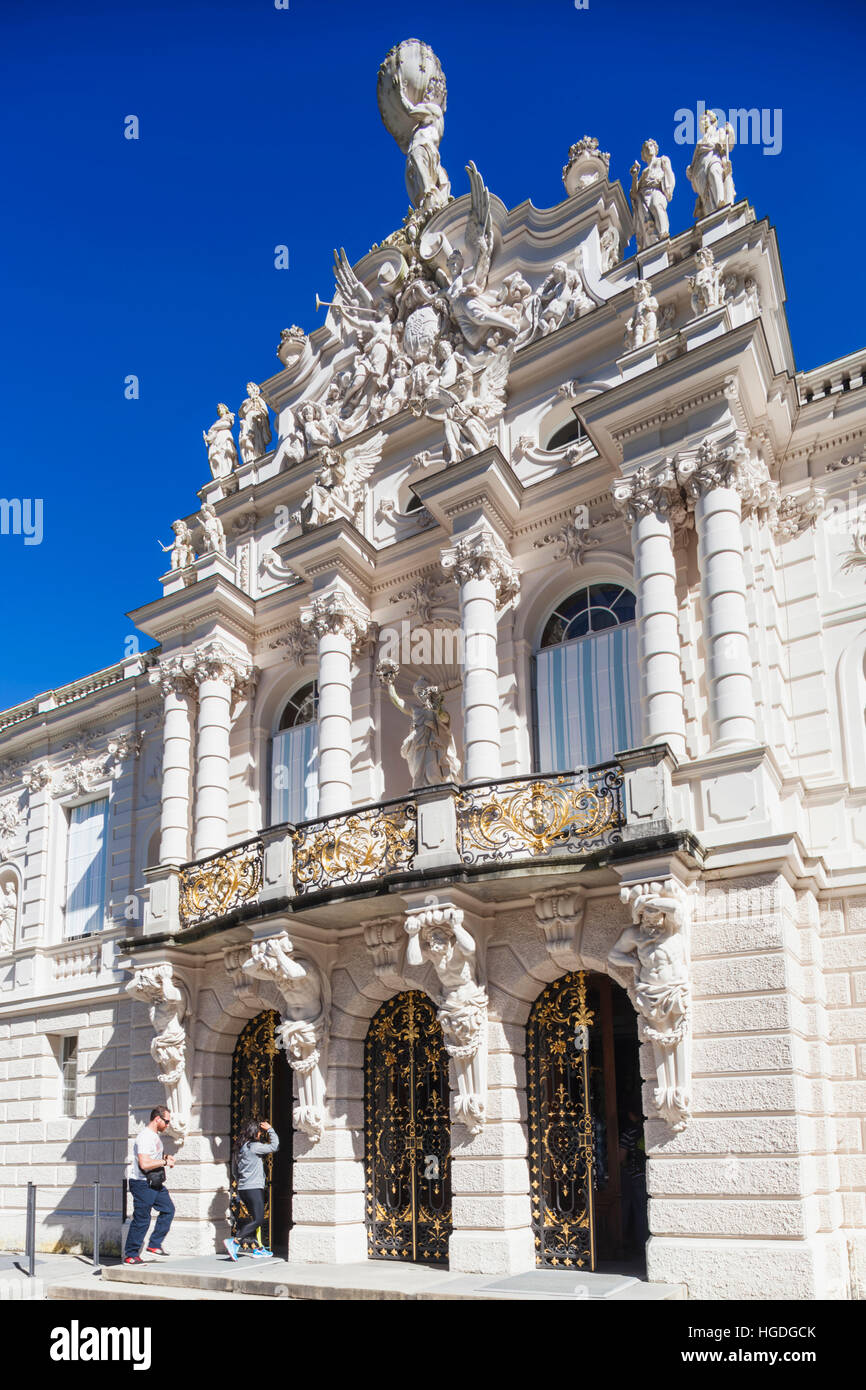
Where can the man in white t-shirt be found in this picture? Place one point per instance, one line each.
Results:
(148, 1158)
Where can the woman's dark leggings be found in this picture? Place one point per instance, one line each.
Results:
(253, 1199)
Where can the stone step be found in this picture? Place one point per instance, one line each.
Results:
(84, 1292)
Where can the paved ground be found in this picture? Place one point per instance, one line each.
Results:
(215, 1277)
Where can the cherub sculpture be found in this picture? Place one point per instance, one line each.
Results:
(254, 435)
(642, 327)
(466, 403)
(371, 324)
(221, 452)
(214, 536)
(429, 750)
(706, 286)
(651, 191)
(182, 550)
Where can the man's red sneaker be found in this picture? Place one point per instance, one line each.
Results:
(133, 1260)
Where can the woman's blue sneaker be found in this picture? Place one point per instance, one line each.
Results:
(231, 1246)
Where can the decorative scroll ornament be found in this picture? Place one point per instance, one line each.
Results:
(12, 817)
(298, 641)
(655, 949)
(174, 676)
(353, 848)
(573, 539)
(560, 917)
(88, 767)
(437, 936)
(572, 812)
(216, 662)
(586, 165)
(38, 777)
(386, 941)
(716, 463)
(647, 492)
(154, 985)
(304, 1022)
(483, 556)
(338, 612)
(797, 513)
(218, 885)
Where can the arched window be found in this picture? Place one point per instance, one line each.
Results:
(295, 759)
(572, 432)
(586, 680)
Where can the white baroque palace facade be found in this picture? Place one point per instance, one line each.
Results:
(499, 771)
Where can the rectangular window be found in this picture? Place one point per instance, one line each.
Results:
(588, 699)
(295, 774)
(69, 1075)
(86, 855)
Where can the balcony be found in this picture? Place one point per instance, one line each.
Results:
(491, 828)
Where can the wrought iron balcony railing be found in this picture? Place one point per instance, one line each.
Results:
(538, 817)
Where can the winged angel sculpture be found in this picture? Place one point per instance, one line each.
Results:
(464, 287)
(340, 486)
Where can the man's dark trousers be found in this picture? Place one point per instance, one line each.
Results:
(144, 1200)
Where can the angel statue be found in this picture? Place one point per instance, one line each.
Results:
(255, 430)
(371, 323)
(651, 191)
(340, 486)
(221, 452)
(429, 750)
(182, 550)
(465, 288)
(467, 405)
(710, 173)
(214, 536)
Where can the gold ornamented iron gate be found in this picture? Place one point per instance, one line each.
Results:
(408, 1133)
(560, 1125)
(262, 1090)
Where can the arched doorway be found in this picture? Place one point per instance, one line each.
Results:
(585, 1128)
(407, 1133)
(262, 1090)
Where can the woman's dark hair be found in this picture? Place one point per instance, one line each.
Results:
(248, 1132)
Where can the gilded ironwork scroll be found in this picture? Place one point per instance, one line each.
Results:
(408, 1133)
(221, 883)
(353, 848)
(560, 1125)
(540, 816)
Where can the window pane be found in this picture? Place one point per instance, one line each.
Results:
(85, 868)
(69, 1074)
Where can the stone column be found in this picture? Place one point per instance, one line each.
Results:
(220, 674)
(175, 678)
(340, 622)
(715, 476)
(647, 501)
(486, 577)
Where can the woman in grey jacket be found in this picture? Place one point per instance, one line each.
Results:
(256, 1138)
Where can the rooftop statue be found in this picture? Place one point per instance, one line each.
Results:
(412, 96)
(651, 190)
(255, 428)
(471, 305)
(221, 452)
(710, 173)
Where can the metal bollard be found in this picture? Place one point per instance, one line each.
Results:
(96, 1265)
(30, 1236)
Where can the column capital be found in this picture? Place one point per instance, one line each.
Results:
(649, 491)
(337, 611)
(174, 675)
(218, 662)
(482, 555)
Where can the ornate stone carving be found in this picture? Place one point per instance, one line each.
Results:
(174, 675)
(340, 485)
(425, 596)
(8, 912)
(298, 640)
(216, 662)
(586, 165)
(293, 342)
(154, 985)
(797, 513)
(706, 286)
(338, 611)
(38, 777)
(651, 190)
(655, 950)
(714, 464)
(483, 556)
(466, 403)
(429, 750)
(437, 936)
(386, 941)
(182, 549)
(609, 249)
(560, 917)
(646, 491)
(710, 173)
(642, 327)
(464, 287)
(87, 766)
(412, 97)
(561, 299)
(214, 536)
(221, 452)
(254, 434)
(304, 1023)
(573, 538)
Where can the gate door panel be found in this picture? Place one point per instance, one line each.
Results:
(408, 1133)
(262, 1090)
(560, 1125)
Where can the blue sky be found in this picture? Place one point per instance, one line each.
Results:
(259, 127)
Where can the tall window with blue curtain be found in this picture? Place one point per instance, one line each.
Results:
(295, 760)
(86, 866)
(586, 680)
